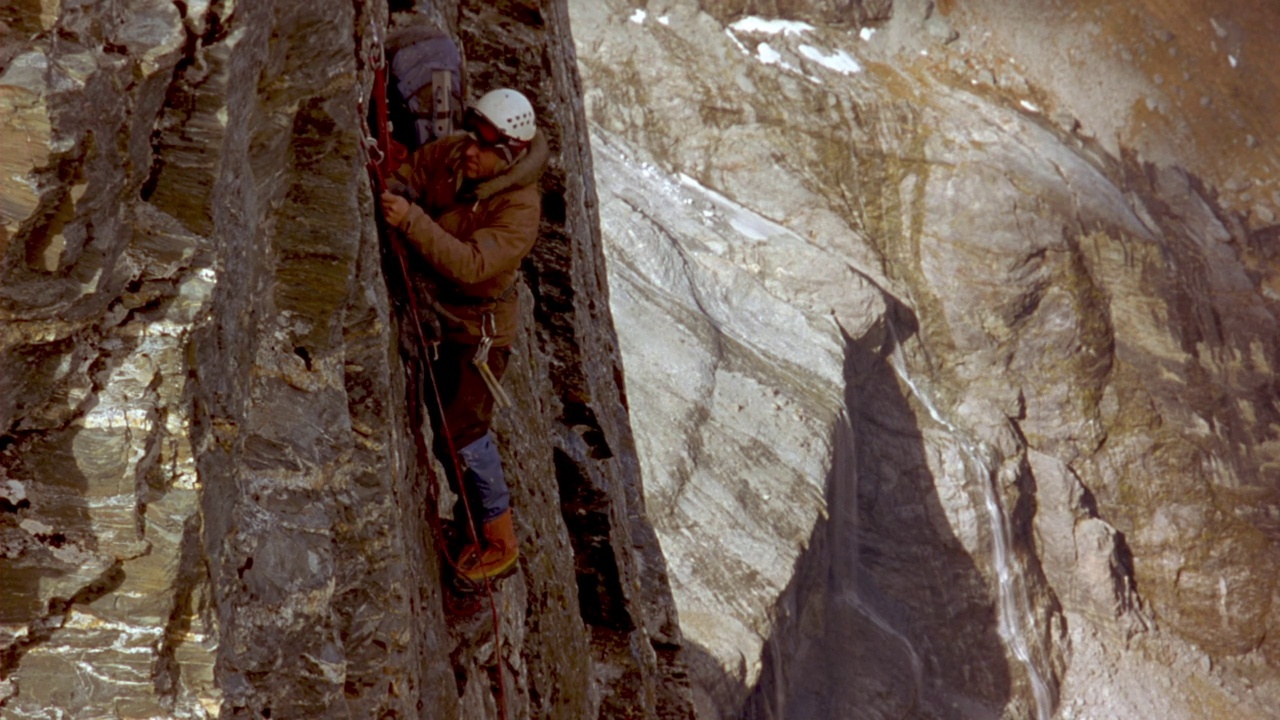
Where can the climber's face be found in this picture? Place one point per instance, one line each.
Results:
(481, 162)
(488, 154)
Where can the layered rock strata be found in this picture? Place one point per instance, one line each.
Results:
(210, 500)
(953, 377)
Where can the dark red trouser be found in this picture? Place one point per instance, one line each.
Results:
(468, 410)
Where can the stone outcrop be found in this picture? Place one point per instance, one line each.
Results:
(210, 499)
(832, 12)
(951, 353)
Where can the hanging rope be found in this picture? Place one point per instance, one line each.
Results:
(381, 162)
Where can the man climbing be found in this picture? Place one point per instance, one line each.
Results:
(473, 218)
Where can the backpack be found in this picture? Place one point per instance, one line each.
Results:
(424, 85)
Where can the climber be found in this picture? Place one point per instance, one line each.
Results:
(472, 216)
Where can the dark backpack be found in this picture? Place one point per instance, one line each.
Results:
(424, 85)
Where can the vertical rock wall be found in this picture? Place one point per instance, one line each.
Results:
(210, 503)
(570, 436)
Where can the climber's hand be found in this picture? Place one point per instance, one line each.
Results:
(394, 208)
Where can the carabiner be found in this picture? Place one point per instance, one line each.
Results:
(375, 153)
(482, 351)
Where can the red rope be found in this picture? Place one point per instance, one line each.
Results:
(381, 169)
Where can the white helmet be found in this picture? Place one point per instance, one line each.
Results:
(508, 111)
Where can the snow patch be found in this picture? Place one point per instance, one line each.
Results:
(840, 61)
(737, 42)
(752, 226)
(638, 16)
(754, 24)
(768, 56)
(866, 33)
(664, 20)
(747, 223)
(1233, 60)
(1029, 106)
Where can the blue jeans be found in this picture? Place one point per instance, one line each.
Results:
(482, 471)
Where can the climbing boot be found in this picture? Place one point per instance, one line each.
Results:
(497, 558)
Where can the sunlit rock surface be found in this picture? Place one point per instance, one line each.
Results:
(951, 340)
(210, 501)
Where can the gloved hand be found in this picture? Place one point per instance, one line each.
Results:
(394, 208)
(396, 187)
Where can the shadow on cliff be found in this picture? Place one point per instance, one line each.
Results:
(886, 615)
(42, 538)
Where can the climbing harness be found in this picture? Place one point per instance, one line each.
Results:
(481, 361)
(379, 151)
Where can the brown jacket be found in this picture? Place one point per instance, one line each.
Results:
(472, 247)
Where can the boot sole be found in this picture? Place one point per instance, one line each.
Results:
(506, 570)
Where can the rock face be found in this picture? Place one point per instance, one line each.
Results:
(833, 12)
(951, 354)
(210, 500)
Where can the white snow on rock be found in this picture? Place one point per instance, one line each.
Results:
(767, 54)
(839, 61)
(1030, 106)
(737, 42)
(866, 33)
(749, 224)
(664, 20)
(638, 16)
(754, 24)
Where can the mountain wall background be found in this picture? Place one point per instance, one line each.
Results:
(950, 336)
